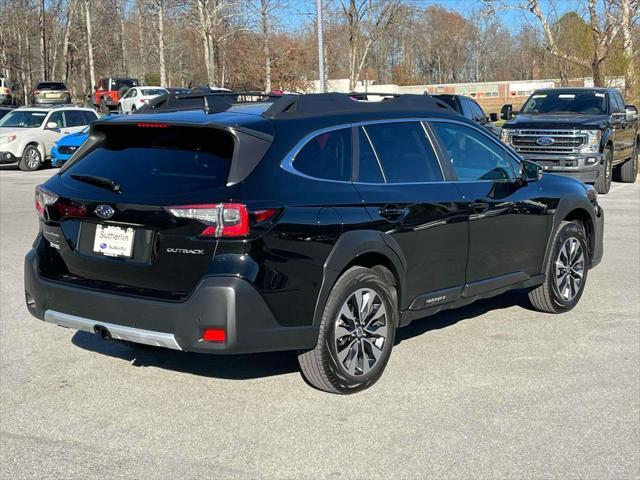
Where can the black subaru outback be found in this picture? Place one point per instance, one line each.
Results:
(315, 223)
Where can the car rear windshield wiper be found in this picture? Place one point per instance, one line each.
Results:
(98, 182)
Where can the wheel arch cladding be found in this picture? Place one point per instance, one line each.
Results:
(366, 248)
(583, 217)
(573, 207)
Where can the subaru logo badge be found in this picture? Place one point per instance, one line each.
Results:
(545, 141)
(104, 211)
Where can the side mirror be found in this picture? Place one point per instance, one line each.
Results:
(506, 112)
(530, 171)
(631, 113)
(52, 125)
(493, 117)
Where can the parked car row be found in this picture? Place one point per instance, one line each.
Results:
(27, 134)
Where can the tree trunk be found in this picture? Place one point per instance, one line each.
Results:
(142, 64)
(44, 74)
(163, 67)
(92, 72)
(65, 42)
(628, 49)
(265, 44)
(121, 11)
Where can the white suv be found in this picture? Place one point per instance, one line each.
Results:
(28, 133)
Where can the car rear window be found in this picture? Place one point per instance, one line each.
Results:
(51, 86)
(152, 161)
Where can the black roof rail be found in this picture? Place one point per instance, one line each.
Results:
(298, 106)
(213, 102)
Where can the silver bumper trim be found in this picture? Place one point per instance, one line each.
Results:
(119, 332)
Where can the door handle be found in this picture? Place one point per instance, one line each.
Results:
(391, 212)
(479, 206)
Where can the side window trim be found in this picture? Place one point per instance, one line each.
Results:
(375, 153)
(449, 176)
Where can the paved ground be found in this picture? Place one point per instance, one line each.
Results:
(490, 391)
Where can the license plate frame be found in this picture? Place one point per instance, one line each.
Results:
(114, 241)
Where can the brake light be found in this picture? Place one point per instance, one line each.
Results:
(152, 125)
(143, 100)
(35, 92)
(44, 198)
(222, 219)
(214, 335)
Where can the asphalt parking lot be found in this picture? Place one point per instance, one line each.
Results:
(493, 390)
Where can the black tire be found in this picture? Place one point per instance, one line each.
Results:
(120, 109)
(603, 183)
(548, 297)
(628, 171)
(31, 159)
(322, 366)
(133, 109)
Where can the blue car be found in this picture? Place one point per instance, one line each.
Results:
(66, 146)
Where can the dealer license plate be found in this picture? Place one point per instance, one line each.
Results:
(113, 241)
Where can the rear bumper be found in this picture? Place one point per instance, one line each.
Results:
(584, 167)
(227, 303)
(51, 101)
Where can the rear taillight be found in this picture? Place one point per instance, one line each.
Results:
(221, 219)
(143, 100)
(44, 198)
(35, 92)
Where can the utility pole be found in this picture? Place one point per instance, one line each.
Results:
(323, 87)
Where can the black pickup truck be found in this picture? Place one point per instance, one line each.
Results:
(586, 133)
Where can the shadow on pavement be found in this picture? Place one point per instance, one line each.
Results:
(257, 365)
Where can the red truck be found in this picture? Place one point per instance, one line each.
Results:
(108, 92)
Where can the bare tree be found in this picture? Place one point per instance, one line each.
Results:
(264, 17)
(89, 42)
(629, 10)
(160, 4)
(367, 21)
(602, 32)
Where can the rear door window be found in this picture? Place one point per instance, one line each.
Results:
(327, 156)
(404, 152)
(159, 161)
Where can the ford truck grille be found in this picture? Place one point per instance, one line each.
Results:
(547, 141)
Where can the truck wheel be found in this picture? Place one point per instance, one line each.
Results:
(628, 171)
(566, 271)
(356, 336)
(603, 184)
(31, 159)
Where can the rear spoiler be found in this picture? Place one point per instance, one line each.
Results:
(250, 146)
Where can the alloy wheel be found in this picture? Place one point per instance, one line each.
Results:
(361, 330)
(33, 158)
(570, 267)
